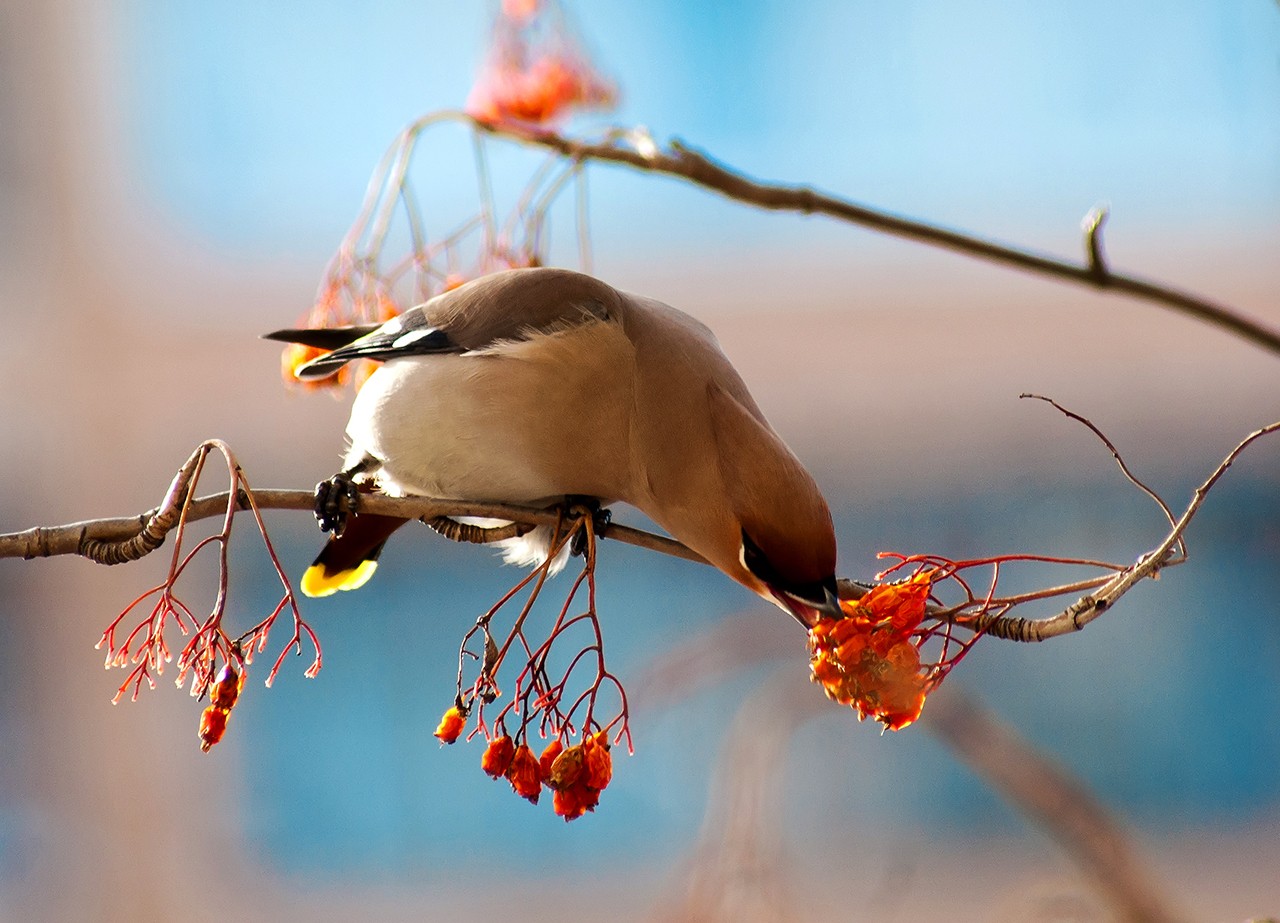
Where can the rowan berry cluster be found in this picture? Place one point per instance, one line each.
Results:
(870, 659)
(576, 775)
(536, 71)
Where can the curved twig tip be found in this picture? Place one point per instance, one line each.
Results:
(1092, 224)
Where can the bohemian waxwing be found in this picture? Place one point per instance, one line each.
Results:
(532, 385)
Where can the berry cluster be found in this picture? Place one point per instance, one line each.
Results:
(576, 775)
(870, 659)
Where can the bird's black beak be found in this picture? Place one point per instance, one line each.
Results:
(810, 611)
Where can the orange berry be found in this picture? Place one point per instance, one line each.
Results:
(848, 629)
(850, 651)
(573, 802)
(498, 756)
(902, 712)
(903, 658)
(597, 763)
(821, 632)
(451, 725)
(226, 688)
(213, 724)
(553, 749)
(525, 774)
(901, 605)
(566, 768)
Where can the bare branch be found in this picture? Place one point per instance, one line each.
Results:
(114, 540)
(73, 538)
(638, 150)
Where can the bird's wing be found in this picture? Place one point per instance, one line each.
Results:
(787, 535)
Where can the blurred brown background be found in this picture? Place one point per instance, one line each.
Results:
(172, 180)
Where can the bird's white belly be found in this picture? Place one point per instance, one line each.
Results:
(514, 425)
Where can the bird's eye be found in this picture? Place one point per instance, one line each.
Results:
(754, 560)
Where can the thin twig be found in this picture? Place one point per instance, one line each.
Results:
(1092, 227)
(1115, 453)
(1089, 607)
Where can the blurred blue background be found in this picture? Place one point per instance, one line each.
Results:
(173, 178)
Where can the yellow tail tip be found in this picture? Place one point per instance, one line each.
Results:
(318, 582)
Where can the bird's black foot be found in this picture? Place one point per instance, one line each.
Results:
(336, 499)
(600, 519)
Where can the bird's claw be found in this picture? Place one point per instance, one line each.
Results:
(600, 519)
(336, 499)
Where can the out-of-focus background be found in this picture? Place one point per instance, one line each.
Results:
(174, 176)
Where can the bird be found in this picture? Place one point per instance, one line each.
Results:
(529, 386)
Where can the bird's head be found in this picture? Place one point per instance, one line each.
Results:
(801, 583)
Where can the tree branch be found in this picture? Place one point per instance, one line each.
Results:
(637, 149)
(115, 541)
(73, 538)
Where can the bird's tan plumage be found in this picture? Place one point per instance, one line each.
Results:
(543, 383)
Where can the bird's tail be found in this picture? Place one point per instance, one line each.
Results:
(326, 338)
(322, 337)
(347, 561)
